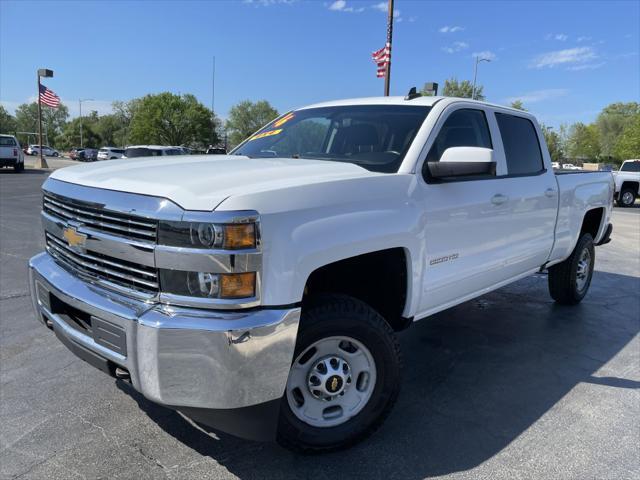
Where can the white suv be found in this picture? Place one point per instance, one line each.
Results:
(110, 153)
(46, 151)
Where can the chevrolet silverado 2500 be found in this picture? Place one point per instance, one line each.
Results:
(260, 292)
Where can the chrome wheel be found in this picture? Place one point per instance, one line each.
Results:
(584, 270)
(331, 381)
(628, 198)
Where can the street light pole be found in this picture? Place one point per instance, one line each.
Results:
(475, 75)
(80, 103)
(46, 73)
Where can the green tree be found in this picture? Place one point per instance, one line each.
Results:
(7, 121)
(463, 89)
(70, 136)
(246, 118)
(517, 104)
(583, 141)
(554, 143)
(612, 121)
(628, 143)
(169, 119)
(112, 130)
(53, 120)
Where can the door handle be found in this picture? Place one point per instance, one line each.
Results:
(499, 199)
(550, 192)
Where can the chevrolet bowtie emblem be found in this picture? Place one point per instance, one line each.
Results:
(334, 384)
(73, 238)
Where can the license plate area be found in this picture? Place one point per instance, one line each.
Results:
(104, 333)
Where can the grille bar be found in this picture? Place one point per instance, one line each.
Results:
(103, 267)
(111, 222)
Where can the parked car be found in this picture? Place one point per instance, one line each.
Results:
(627, 181)
(135, 151)
(46, 151)
(11, 154)
(555, 165)
(261, 293)
(87, 155)
(110, 153)
(216, 151)
(75, 153)
(570, 166)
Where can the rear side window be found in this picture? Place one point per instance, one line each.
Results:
(521, 145)
(463, 128)
(630, 167)
(7, 142)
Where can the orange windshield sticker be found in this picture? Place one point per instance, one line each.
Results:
(284, 120)
(265, 134)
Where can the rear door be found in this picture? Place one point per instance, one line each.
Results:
(532, 191)
(467, 221)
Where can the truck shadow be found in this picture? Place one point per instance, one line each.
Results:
(476, 377)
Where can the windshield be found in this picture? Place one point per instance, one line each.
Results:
(631, 166)
(375, 137)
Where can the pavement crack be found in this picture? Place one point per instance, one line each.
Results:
(96, 426)
(14, 295)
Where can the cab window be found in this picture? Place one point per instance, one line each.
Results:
(463, 128)
(521, 146)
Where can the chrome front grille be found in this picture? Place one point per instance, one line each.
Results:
(117, 272)
(114, 223)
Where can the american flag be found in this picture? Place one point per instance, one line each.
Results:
(381, 58)
(48, 97)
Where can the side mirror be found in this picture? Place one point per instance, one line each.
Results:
(463, 161)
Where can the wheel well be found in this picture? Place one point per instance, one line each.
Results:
(378, 279)
(632, 185)
(591, 222)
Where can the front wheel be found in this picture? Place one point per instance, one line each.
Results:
(344, 379)
(626, 198)
(569, 280)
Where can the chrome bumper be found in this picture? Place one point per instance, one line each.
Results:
(178, 357)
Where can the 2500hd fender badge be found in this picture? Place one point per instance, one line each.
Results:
(435, 261)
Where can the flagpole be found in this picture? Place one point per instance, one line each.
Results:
(42, 163)
(387, 77)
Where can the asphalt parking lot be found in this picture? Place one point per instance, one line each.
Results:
(506, 386)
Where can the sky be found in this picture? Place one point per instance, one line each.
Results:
(564, 60)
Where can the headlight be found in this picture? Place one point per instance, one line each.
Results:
(231, 236)
(208, 285)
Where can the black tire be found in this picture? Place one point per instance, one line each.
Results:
(18, 167)
(340, 315)
(563, 277)
(631, 195)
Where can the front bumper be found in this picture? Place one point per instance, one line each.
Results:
(188, 359)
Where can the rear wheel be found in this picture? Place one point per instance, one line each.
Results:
(569, 280)
(344, 379)
(626, 198)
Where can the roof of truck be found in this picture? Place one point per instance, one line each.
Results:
(426, 101)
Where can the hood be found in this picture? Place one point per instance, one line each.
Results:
(202, 182)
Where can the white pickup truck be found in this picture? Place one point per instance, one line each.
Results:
(10, 153)
(627, 181)
(260, 292)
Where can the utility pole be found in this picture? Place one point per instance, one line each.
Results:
(80, 104)
(41, 162)
(475, 75)
(387, 77)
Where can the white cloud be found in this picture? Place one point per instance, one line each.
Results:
(562, 37)
(384, 8)
(583, 39)
(539, 95)
(578, 55)
(455, 47)
(585, 66)
(341, 6)
(451, 29)
(488, 54)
